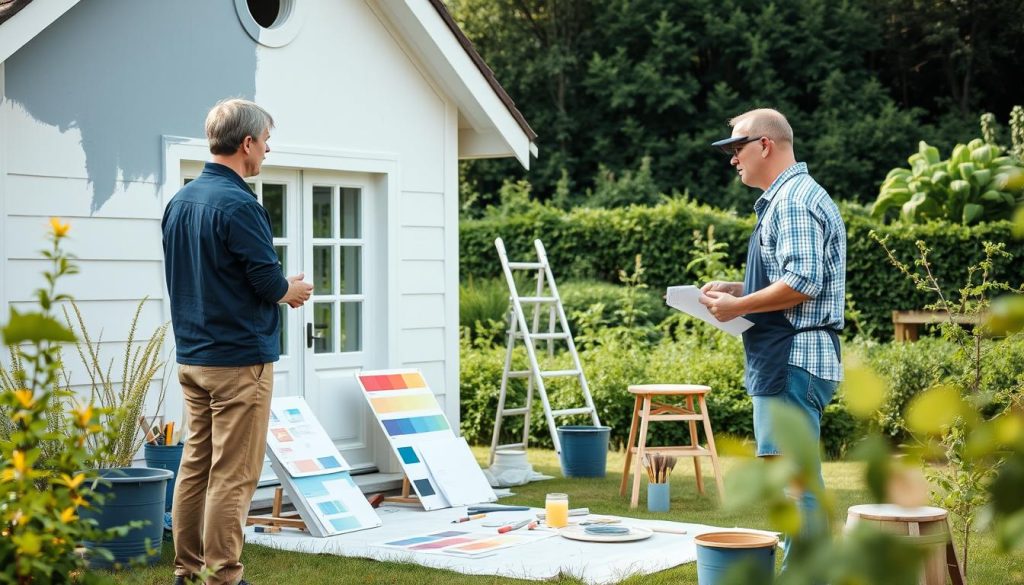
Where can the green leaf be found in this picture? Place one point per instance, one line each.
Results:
(982, 155)
(932, 411)
(972, 213)
(784, 516)
(863, 391)
(795, 436)
(875, 452)
(34, 327)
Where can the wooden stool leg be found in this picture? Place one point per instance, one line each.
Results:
(711, 447)
(630, 445)
(956, 571)
(693, 443)
(645, 415)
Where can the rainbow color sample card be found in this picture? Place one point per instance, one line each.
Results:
(409, 415)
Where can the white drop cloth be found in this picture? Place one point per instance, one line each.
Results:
(595, 563)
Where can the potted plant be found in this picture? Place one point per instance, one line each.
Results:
(137, 494)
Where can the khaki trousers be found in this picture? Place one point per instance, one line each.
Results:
(228, 415)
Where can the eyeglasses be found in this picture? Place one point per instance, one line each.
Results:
(733, 148)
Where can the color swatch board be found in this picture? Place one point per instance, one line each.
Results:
(313, 473)
(411, 419)
(466, 542)
(298, 440)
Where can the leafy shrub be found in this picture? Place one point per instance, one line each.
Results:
(974, 184)
(597, 243)
(611, 366)
(909, 369)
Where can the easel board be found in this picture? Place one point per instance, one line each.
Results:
(313, 473)
(414, 425)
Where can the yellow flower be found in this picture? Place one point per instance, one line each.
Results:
(79, 502)
(83, 415)
(18, 461)
(24, 397)
(59, 229)
(72, 482)
(68, 515)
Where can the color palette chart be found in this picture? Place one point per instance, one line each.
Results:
(313, 472)
(298, 440)
(409, 415)
(466, 542)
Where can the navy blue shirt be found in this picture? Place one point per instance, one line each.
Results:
(222, 272)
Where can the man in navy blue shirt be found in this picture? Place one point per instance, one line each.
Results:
(225, 285)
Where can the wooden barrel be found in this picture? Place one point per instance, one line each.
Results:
(926, 523)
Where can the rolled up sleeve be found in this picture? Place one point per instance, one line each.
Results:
(250, 240)
(798, 249)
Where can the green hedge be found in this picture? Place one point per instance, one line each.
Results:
(597, 243)
(610, 369)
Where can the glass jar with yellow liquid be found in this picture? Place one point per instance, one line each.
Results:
(556, 510)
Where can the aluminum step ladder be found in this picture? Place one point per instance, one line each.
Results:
(518, 329)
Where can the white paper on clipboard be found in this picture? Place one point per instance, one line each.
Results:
(687, 300)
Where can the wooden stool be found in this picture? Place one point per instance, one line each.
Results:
(646, 410)
(928, 525)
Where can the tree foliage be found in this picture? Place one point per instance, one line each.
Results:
(607, 83)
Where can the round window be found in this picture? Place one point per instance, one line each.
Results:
(272, 23)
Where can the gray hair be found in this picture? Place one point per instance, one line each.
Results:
(766, 122)
(231, 120)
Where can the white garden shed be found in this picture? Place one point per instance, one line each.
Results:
(375, 101)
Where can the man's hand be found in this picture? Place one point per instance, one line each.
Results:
(733, 288)
(298, 292)
(723, 306)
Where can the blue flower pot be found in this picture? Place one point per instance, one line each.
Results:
(584, 450)
(131, 493)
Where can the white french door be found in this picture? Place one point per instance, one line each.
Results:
(324, 224)
(342, 319)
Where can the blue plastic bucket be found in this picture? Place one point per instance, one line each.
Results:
(584, 450)
(165, 457)
(718, 552)
(133, 493)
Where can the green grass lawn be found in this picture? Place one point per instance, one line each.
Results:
(264, 566)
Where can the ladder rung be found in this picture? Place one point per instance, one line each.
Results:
(515, 411)
(537, 299)
(542, 336)
(511, 445)
(559, 373)
(571, 411)
(525, 265)
(547, 374)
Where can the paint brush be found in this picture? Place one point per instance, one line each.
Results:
(516, 526)
(468, 518)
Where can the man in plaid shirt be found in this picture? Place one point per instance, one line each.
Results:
(794, 290)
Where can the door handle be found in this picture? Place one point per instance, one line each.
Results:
(311, 335)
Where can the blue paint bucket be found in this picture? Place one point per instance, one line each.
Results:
(584, 450)
(165, 457)
(735, 553)
(131, 493)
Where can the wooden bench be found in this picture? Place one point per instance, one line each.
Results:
(905, 322)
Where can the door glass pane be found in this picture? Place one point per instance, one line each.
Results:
(323, 278)
(284, 329)
(351, 226)
(351, 327)
(282, 258)
(273, 201)
(323, 327)
(349, 269)
(322, 211)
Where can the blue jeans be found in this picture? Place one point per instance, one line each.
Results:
(811, 395)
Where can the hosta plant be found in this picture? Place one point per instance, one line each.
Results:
(978, 182)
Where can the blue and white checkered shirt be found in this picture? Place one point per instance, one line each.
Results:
(803, 243)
